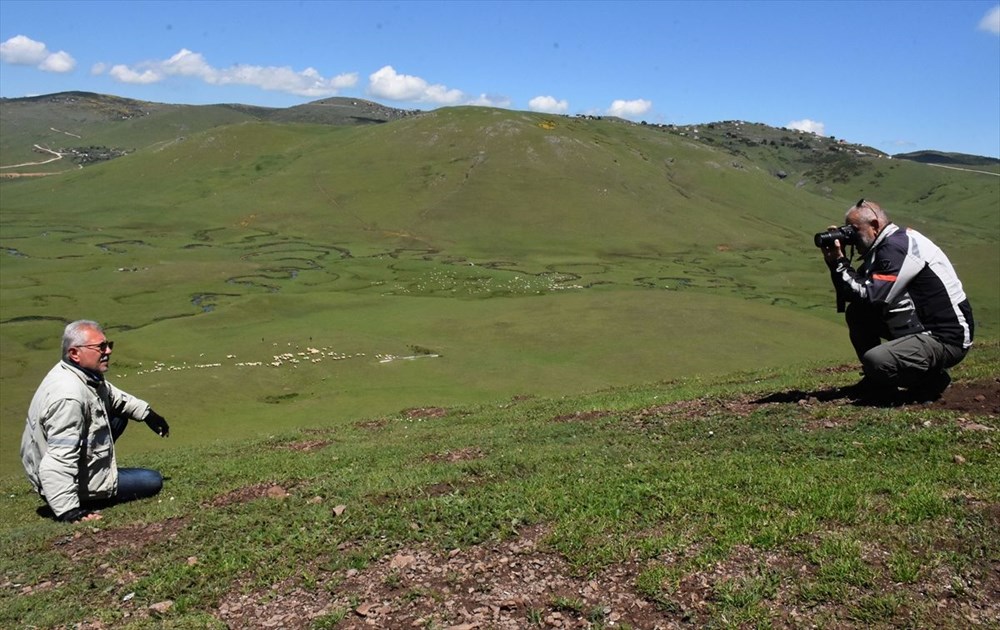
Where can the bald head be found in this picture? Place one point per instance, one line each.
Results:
(868, 220)
(867, 211)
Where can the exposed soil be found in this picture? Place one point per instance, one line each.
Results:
(82, 544)
(505, 585)
(980, 398)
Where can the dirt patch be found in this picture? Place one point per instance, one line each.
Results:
(247, 494)
(514, 584)
(306, 446)
(93, 541)
(698, 409)
(976, 398)
(425, 412)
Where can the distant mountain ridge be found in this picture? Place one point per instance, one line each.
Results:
(332, 111)
(93, 107)
(956, 159)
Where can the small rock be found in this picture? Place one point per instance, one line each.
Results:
(974, 426)
(315, 500)
(160, 608)
(337, 511)
(958, 459)
(277, 492)
(192, 560)
(401, 561)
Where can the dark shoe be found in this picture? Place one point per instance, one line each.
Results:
(931, 388)
(866, 392)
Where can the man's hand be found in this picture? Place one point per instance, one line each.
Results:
(79, 514)
(833, 253)
(157, 424)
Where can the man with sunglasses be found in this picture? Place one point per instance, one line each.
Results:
(75, 417)
(905, 291)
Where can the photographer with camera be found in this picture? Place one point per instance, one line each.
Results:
(905, 291)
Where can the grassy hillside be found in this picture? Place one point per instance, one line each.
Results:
(762, 499)
(485, 253)
(954, 159)
(83, 125)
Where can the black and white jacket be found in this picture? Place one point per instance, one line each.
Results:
(914, 284)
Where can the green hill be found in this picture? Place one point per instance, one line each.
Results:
(954, 159)
(502, 253)
(80, 124)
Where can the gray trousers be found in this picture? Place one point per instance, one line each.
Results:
(904, 362)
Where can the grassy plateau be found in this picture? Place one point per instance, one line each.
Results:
(486, 367)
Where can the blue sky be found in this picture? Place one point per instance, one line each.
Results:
(899, 76)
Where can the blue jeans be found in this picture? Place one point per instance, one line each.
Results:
(137, 483)
(133, 483)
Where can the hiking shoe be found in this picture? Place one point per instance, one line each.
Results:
(931, 388)
(867, 392)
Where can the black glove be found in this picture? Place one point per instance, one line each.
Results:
(157, 423)
(74, 515)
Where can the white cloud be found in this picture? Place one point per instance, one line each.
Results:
(807, 125)
(629, 109)
(186, 63)
(58, 62)
(991, 21)
(548, 105)
(124, 74)
(190, 64)
(24, 51)
(490, 100)
(388, 84)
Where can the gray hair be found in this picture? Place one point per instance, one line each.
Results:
(75, 334)
(867, 210)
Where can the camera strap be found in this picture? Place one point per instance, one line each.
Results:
(841, 300)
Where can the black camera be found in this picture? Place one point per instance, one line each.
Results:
(845, 234)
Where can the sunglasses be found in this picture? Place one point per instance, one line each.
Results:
(104, 346)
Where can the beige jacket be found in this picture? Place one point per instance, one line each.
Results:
(67, 449)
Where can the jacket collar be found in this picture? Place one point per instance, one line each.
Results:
(886, 232)
(90, 377)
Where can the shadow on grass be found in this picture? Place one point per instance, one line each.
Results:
(850, 395)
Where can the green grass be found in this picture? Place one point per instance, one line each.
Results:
(760, 508)
(535, 255)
